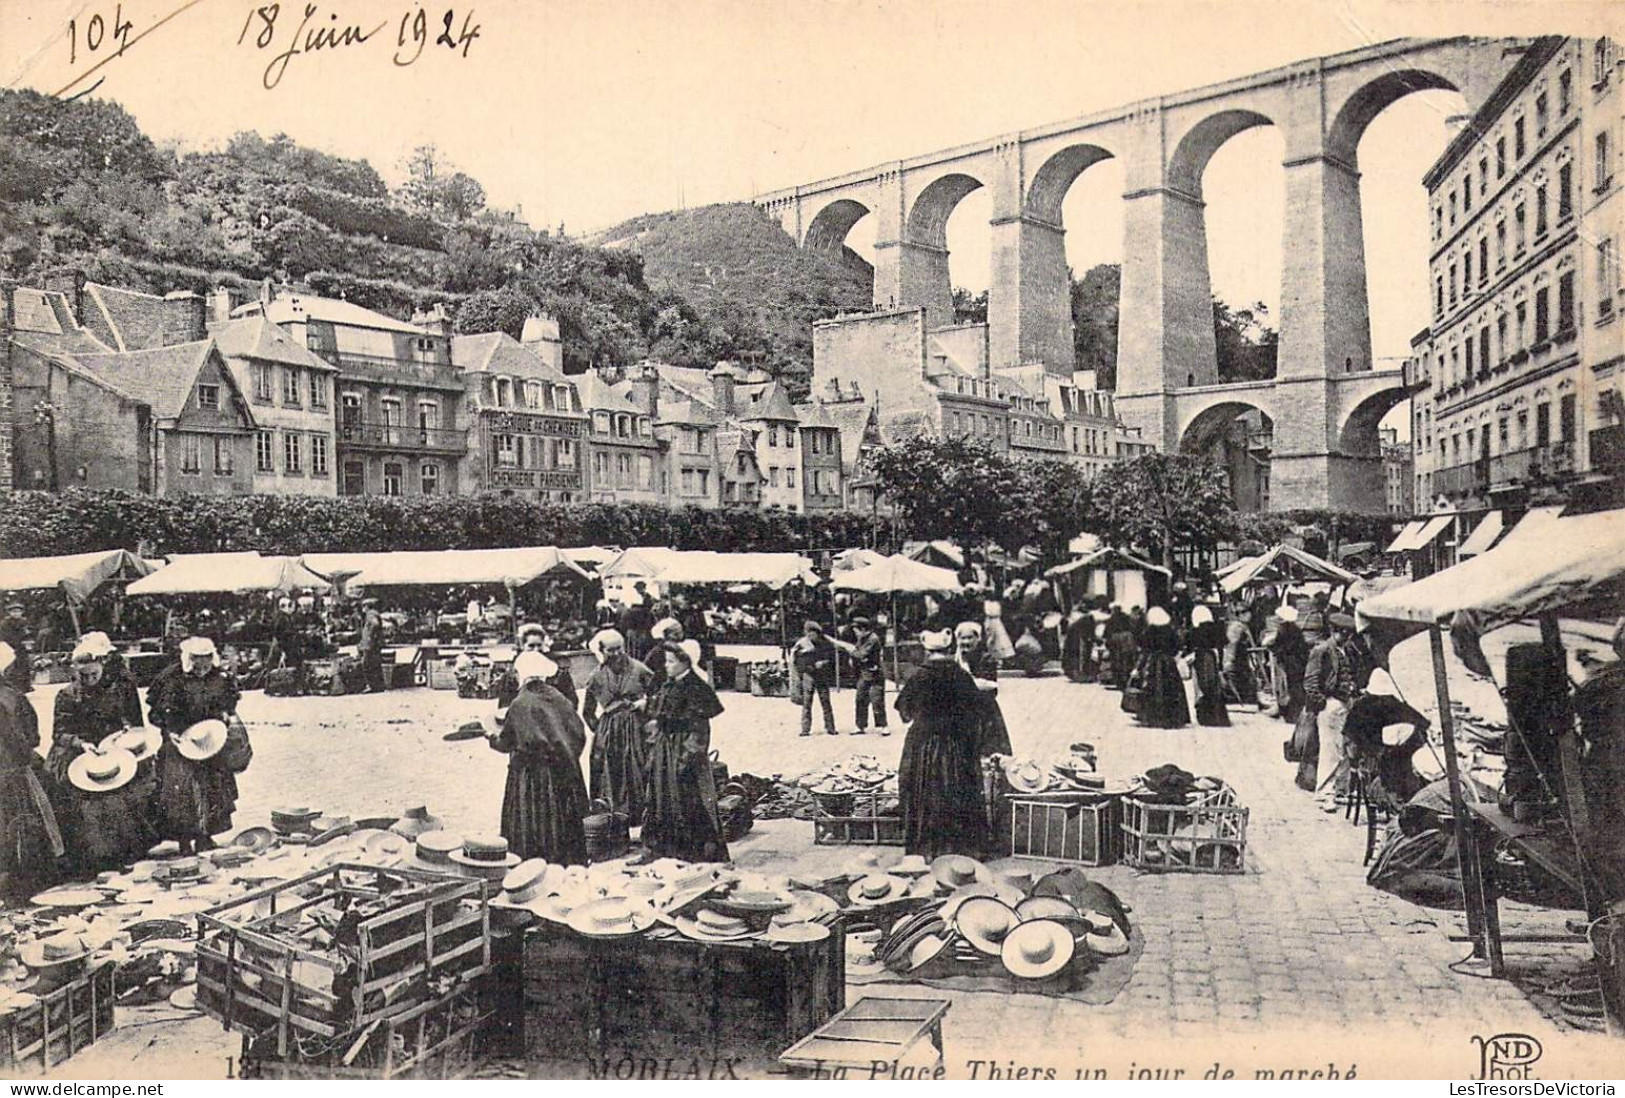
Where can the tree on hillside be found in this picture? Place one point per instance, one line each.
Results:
(504, 310)
(1244, 342)
(433, 186)
(1160, 502)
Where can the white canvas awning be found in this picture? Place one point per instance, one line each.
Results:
(1402, 542)
(772, 570)
(1285, 564)
(1483, 536)
(1435, 526)
(78, 574)
(464, 567)
(899, 575)
(1575, 559)
(1104, 558)
(1534, 522)
(228, 573)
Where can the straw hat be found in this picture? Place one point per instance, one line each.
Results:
(924, 951)
(103, 771)
(287, 820)
(202, 741)
(796, 933)
(255, 839)
(1110, 942)
(984, 922)
(1046, 907)
(713, 926)
(142, 742)
(524, 882)
(876, 889)
(610, 918)
(485, 856)
(432, 851)
(383, 847)
(808, 906)
(1027, 777)
(911, 866)
(955, 870)
(415, 821)
(50, 954)
(1038, 949)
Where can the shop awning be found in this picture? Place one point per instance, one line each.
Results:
(464, 568)
(1534, 522)
(78, 574)
(1104, 558)
(228, 573)
(899, 575)
(1403, 542)
(772, 570)
(1575, 560)
(1435, 526)
(1285, 564)
(1483, 536)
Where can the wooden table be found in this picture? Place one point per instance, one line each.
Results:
(874, 1030)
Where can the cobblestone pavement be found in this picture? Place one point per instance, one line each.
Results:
(1297, 954)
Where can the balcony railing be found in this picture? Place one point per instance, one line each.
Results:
(401, 437)
(1468, 478)
(401, 371)
(1535, 463)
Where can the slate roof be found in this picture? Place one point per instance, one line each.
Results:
(597, 394)
(296, 308)
(501, 353)
(257, 338)
(766, 401)
(852, 417)
(126, 320)
(164, 376)
(43, 323)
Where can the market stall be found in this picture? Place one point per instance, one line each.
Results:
(898, 575)
(1280, 566)
(228, 574)
(78, 577)
(1116, 574)
(1576, 564)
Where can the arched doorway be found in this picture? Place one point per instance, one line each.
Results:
(1239, 437)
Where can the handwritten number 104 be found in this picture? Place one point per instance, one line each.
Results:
(95, 33)
(414, 34)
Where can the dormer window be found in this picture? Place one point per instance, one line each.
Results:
(504, 392)
(208, 396)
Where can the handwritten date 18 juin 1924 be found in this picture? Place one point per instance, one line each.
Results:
(267, 28)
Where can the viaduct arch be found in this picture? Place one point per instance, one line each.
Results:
(1166, 357)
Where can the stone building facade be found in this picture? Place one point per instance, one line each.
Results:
(528, 428)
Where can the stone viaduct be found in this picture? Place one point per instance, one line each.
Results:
(1326, 398)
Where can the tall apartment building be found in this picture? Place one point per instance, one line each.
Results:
(1517, 380)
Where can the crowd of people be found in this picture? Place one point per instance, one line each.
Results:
(116, 781)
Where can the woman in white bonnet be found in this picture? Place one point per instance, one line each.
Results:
(612, 705)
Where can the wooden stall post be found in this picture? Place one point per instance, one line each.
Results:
(1481, 918)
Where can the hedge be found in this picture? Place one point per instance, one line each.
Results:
(78, 521)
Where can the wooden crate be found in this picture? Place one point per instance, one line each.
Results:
(253, 978)
(1081, 828)
(864, 826)
(436, 1040)
(660, 993)
(1210, 837)
(74, 1016)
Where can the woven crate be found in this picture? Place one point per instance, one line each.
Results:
(442, 675)
(1081, 828)
(1210, 837)
(253, 979)
(436, 1040)
(74, 1016)
(864, 826)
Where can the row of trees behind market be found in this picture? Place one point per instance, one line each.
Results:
(932, 488)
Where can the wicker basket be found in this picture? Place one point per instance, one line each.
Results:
(1208, 837)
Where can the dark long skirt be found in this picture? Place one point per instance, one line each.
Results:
(543, 805)
(1160, 692)
(1239, 678)
(1123, 652)
(618, 763)
(939, 782)
(194, 799)
(1306, 739)
(1210, 698)
(680, 818)
(994, 734)
(114, 828)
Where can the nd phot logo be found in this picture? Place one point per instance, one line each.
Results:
(1507, 1056)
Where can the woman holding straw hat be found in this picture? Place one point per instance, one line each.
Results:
(196, 792)
(105, 793)
(939, 779)
(680, 817)
(613, 706)
(30, 841)
(545, 799)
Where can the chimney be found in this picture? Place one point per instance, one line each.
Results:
(69, 281)
(541, 337)
(218, 305)
(265, 291)
(834, 389)
(857, 391)
(183, 318)
(646, 383)
(722, 387)
(435, 321)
